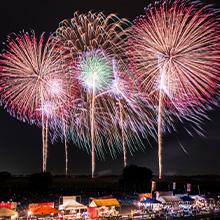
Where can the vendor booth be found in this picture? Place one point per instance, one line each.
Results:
(151, 204)
(200, 201)
(170, 201)
(146, 206)
(73, 208)
(43, 210)
(8, 213)
(104, 207)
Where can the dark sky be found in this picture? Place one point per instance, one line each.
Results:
(20, 143)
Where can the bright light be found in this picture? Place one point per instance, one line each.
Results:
(55, 86)
(49, 108)
(95, 69)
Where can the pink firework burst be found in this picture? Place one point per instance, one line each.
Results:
(32, 78)
(174, 50)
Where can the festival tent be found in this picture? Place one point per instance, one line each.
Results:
(199, 200)
(207, 197)
(186, 199)
(204, 198)
(104, 202)
(5, 212)
(43, 210)
(163, 193)
(197, 197)
(103, 207)
(69, 205)
(150, 201)
(169, 199)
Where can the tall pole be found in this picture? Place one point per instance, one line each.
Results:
(199, 189)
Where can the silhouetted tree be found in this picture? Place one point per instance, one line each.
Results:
(136, 179)
(40, 180)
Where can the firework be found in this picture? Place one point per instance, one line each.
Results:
(33, 83)
(133, 115)
(96, 43)
(174, 50)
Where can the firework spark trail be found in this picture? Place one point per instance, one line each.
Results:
(133, 115)
(116, 99)
(95, 73)
(86, 34)
(29, 75)
(123, 135)
(65, 143)
(81, 125)
(174, 51)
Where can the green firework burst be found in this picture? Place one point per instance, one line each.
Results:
(96, 69)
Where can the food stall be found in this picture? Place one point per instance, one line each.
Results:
(8, 213)
(73, 209)
(104, 207)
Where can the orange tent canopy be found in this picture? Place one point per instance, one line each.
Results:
(104, 202)
(43, 210)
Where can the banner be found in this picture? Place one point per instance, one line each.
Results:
(68, 198)
(93, 212)
(188, 187)
(174, 185)
(6, 205)
(9, 205)
(35, 205)
(153, 187)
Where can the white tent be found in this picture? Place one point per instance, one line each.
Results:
(5, 212)
(69, 205)
(169, 199)
(197, 197)
(199, 200)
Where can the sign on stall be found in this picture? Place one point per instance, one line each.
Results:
(9, 205)
(6, 205)
(34, 205)
(188, 187)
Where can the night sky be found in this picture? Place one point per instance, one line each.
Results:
(21, 144)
